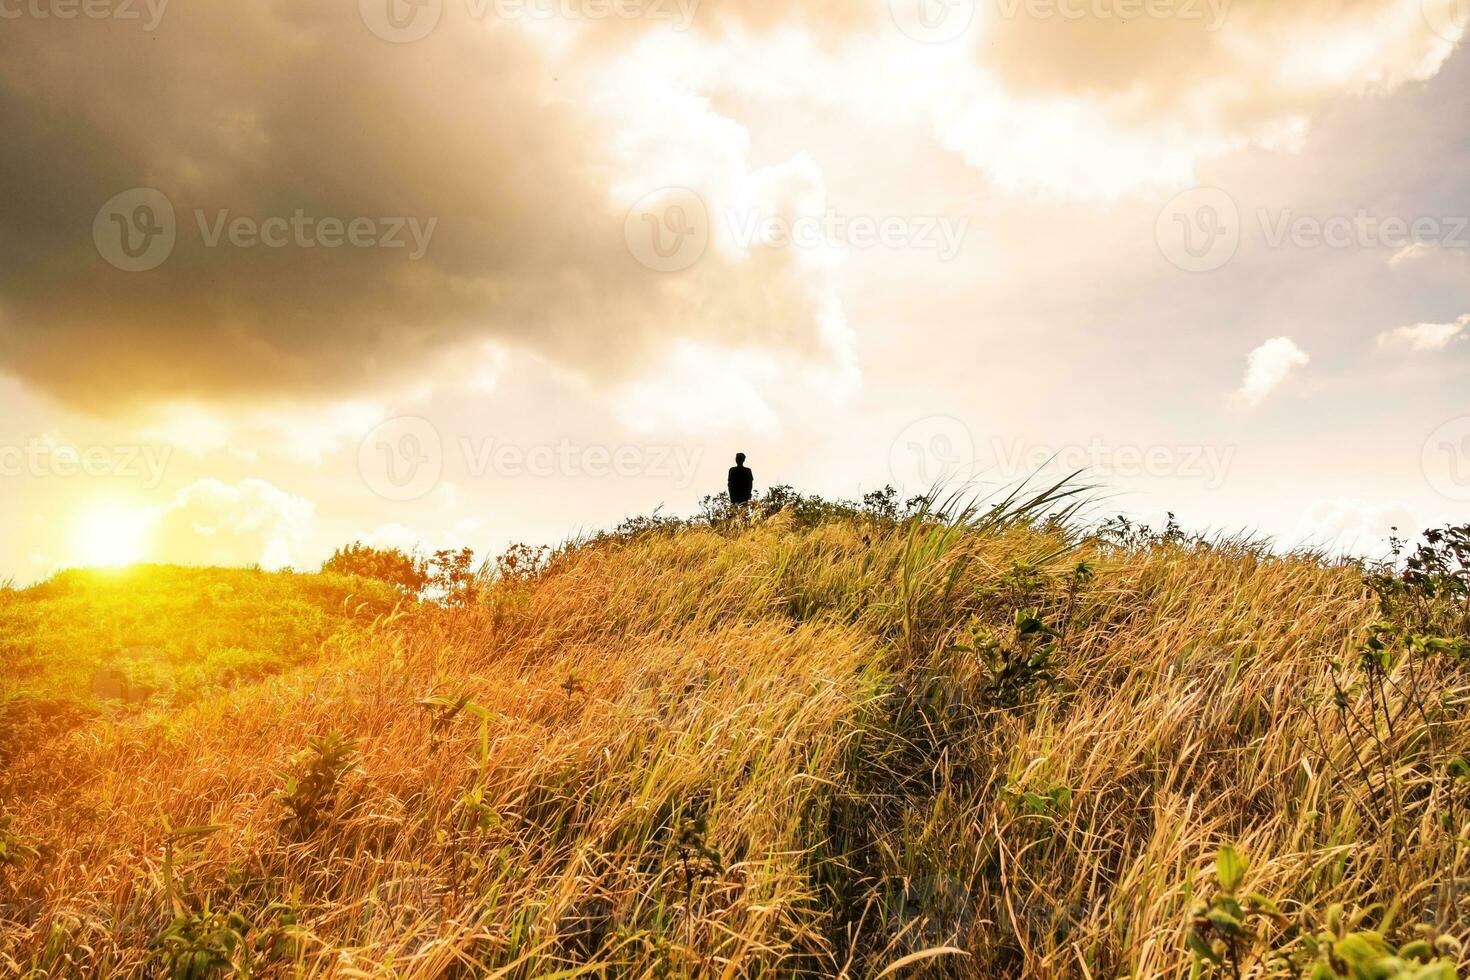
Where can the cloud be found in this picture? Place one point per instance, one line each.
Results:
(510, 152)
(1268, 367)
(246, 523)
(1095, 99)
(1353, 526)
(264, 122)
(1424, 336)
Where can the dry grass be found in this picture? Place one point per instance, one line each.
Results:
(752, 751)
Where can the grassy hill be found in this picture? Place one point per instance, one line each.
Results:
(119, 642)
(820, 741)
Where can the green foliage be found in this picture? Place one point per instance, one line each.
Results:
(310, 789)
(1344, 948)
(1225, 926)
(13, 847)
(1228, 934)
(453, 578)
(116, 642)
(214, 943)
(1052, 799)
(1430, 594)
(1017, 662)
(521, 563)
(392, 565)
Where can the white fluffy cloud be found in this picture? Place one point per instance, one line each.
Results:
(1424, 336)
(252, 522)
(1268, 367)
(1353, 526)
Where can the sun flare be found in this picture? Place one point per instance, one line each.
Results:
(110, 535)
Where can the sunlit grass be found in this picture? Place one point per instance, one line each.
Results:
(760, 747)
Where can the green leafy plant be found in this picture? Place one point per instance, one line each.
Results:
(1224, 926)
(13, 848)
(310, 789)
(452, 577)
(1046, 800)
(1230, 932)
(1344, 948)
(391, 565)
(213, 942)
(1016, 663)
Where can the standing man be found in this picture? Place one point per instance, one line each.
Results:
(741, 481)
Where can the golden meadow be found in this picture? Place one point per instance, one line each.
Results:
(807, 739)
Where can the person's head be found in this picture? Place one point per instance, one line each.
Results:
(739, 459)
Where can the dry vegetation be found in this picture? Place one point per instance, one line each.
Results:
(819, 741)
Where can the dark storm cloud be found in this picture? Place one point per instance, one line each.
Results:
(459, 146)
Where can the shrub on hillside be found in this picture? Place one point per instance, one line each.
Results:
(390, 565)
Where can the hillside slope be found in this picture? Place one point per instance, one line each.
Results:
(787, 746)
(154, 637)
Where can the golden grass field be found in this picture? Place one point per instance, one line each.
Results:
(753, 747)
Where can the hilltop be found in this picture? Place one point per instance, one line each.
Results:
(812, 740)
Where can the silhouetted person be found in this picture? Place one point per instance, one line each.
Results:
(741, 481)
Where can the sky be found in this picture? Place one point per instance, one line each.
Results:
(275, 277)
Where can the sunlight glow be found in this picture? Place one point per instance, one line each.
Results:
(111, 535)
